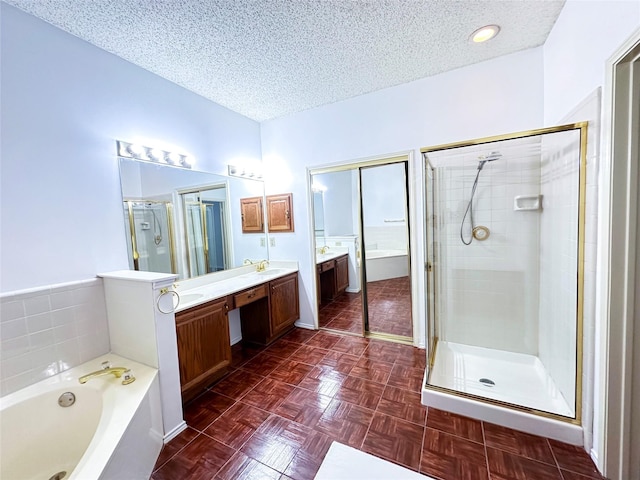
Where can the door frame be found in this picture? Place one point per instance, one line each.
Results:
(618, 416)
(416, 174)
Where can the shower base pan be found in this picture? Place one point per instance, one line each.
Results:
(507, 377)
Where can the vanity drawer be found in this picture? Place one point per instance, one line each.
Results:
(250, 295)
(328, 265)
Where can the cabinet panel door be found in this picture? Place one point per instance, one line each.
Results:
(285, 307)
(280, 212)
(203, 344)
(252, 216)
(342, 273)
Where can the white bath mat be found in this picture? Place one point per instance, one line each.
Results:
(346, 463)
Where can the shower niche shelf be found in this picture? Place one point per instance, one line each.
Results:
(527, 202)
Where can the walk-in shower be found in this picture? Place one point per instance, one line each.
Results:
(505, 310)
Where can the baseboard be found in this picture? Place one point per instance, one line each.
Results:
(352, 290)
(304, 325)
(236, 340)
(175, 432)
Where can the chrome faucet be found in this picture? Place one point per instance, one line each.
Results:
(324, 250)
(107, 369)
(262, 266)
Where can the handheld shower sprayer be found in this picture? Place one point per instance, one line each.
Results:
(492, 157)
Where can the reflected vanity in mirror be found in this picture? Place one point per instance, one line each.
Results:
(186, 222)
(360, 214)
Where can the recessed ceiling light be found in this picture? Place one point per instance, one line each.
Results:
(485, 33)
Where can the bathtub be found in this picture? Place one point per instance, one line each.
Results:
(385, 264)
(111, 431)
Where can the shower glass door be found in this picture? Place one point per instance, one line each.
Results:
(150, 236)
(385, 233)
(507, 237)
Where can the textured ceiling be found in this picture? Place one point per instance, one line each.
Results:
(268, 58)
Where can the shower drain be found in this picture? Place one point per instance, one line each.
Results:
(58, 476)
(487, 381)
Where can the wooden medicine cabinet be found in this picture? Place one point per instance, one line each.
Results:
(280, 212)
(252, 216)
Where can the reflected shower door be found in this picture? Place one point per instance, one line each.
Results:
(385, 232)
(214, 226)
(149, 236)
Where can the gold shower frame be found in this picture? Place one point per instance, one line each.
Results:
(582, 189)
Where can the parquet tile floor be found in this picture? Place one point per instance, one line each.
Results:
(276, 413)
(389, 307)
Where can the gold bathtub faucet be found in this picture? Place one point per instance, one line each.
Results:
(107, 369)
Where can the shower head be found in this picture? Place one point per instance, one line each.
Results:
(493, 156)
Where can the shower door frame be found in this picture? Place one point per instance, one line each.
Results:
(133, 235)
(432, 343)
(411, 193)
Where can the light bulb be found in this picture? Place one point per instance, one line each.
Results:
(485, 33)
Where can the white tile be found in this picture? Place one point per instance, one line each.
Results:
(15, 366)
(64, 332)
(37, 304)
(13, 347)
(68, 354)
(64, 316)
(37, 323)
(42, 358)
(62, 299)
(11, 310)
(13, 329)
(41, 339)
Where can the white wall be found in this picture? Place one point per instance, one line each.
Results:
(64, 102)
(583, 38)
(498, 96)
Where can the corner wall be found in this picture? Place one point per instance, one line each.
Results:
(488, 98)
(64, 103)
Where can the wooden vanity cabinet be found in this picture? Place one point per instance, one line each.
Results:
(204, 347)
(280, 212)
(268, 317)
(285, 306)
(252, 215)
(342, 273)
(333, 278)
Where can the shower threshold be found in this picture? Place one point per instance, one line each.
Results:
(509, 377)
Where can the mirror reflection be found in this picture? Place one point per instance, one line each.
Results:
(186, 222)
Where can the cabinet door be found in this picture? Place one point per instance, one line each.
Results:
(204, 350)
(342, 273)
(280, 213)
(285, 308)
(252, 216)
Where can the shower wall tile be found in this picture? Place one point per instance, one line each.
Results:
(47, 330)
(485, 289)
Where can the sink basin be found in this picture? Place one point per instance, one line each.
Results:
(190, 297)
(273, 271)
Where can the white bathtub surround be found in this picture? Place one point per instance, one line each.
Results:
(47, 330)
(140, 331)
(111, 431)
(519, 379)
(386, 264)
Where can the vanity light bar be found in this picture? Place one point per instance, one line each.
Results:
(251, 173)
(154, 155)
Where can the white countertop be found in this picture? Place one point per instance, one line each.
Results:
(323, 257)
(202, 293)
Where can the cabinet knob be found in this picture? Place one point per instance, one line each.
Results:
(226, 307)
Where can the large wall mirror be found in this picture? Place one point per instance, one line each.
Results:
(186, 222)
